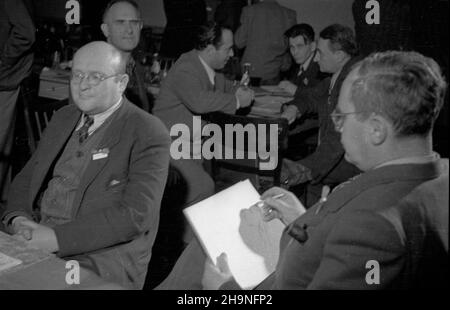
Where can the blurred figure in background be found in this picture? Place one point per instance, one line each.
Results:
(183, 20)
(261, 33)
(122, 25)
(17, 36)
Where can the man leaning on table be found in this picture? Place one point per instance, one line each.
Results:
(369, 233)
(193, 87)
(92, 190)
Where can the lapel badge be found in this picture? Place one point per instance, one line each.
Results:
(305, 81)
(100, 153)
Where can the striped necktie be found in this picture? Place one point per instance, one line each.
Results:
(83, 132)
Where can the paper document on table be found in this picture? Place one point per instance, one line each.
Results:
(7, 262)
(230, 222)
(271, 90)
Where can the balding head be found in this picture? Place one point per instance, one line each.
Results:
(98, 77)
(102, 54)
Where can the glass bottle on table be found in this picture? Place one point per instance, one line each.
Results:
(155, 69)
(245, 80)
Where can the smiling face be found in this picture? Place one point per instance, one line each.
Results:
(300, 50)
(224, 52)
(96, 59)
(122, 26)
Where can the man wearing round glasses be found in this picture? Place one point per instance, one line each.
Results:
(97, 176)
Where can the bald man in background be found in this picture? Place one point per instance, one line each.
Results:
(122, 25)
(92, 190)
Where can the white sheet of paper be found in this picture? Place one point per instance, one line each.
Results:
(225, 223)
(7, 262)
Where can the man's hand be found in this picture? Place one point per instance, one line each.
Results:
(21, 227)
(44, 238)
(286, 208)
(293, 173)
(214, 276)
(288, 86)
(35, 234)
(290, 113)
(245, 96)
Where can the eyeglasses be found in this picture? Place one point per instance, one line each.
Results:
(93, 78)
(339, 118)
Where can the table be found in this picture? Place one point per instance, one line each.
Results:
(54, 83)
(40, 270)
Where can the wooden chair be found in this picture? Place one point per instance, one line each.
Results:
(251, 166)
(37, 114)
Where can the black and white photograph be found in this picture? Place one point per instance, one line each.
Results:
(236, 146)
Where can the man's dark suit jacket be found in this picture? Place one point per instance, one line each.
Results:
(327, 163)
(308, 78)
(116, 208)
(336, 243)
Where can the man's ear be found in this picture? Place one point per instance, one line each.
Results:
(313, 46)
(378, 129)
(340, 55)
(105, 29)
(123, 82)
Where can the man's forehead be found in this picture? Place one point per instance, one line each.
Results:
(297, 40)
(122, 11)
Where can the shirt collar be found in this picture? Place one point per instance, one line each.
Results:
(411, 160)
(100, 118)
(211, 73)
(306, 63)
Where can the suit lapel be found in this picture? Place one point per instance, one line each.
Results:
(201, 69)
(55, 142)
(110, 139)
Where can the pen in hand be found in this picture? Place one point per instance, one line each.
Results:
(261, 203)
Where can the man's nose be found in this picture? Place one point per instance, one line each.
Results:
(128, 27)
(84, 84)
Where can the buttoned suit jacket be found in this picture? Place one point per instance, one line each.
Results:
(261, 32)
(116, 208)
(187, 92)
(308, 78)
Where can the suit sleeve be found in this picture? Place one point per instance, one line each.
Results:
(241, 35)
(138, 210)
(22, 34)
(359, 241)
(191, 92)
(19, 194)
(308, 99)
(327, 156)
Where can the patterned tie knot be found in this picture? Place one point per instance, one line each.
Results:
(83, 132)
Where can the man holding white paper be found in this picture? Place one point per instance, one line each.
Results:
(364, 235)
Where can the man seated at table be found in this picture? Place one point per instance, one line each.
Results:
(193, 88)
(306, 72)
(360, 237)
(336, 54)
(92, 190)
(122, 25)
